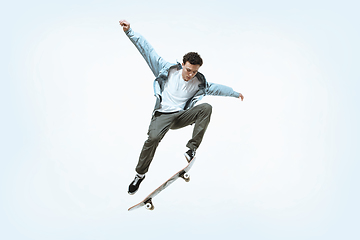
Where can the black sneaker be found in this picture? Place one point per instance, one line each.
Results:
(189, 155)
(134, 185)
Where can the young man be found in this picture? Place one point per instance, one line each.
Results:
(177, 88)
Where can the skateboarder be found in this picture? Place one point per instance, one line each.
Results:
(177, 87)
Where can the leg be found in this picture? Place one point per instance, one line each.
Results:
(200, 115)
(158, 127)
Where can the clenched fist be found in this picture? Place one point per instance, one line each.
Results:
(125, 25)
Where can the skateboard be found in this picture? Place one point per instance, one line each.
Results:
(147, 202)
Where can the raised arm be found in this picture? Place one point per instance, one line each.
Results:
(155, 62)
(221, 90)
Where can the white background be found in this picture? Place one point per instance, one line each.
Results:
(76, 101)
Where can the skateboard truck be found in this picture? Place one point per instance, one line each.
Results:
(184, 175)
(149, 205)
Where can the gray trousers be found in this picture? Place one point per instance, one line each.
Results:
(162, 122)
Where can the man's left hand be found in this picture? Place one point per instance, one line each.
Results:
(241, 96)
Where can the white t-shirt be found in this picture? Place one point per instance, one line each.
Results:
(177, 91)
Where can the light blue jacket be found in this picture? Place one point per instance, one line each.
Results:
(160, 69)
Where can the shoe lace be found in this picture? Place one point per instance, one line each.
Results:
(137, 178)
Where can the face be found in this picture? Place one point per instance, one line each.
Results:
(189, 71)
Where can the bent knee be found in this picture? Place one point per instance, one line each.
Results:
(153, 137)
(207, 108)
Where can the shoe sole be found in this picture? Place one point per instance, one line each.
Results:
(188, 157)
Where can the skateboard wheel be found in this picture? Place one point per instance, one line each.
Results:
(149, 206)
(187, 177)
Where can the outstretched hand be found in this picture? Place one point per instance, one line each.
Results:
(125, 25)
(242, 97)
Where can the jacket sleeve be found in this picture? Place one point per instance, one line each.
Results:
(221, 90)
(155, 62)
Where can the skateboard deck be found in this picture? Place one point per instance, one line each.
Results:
(147, 202)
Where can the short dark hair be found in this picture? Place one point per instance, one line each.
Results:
(193, 58)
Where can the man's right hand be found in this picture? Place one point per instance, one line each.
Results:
(125, 25)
